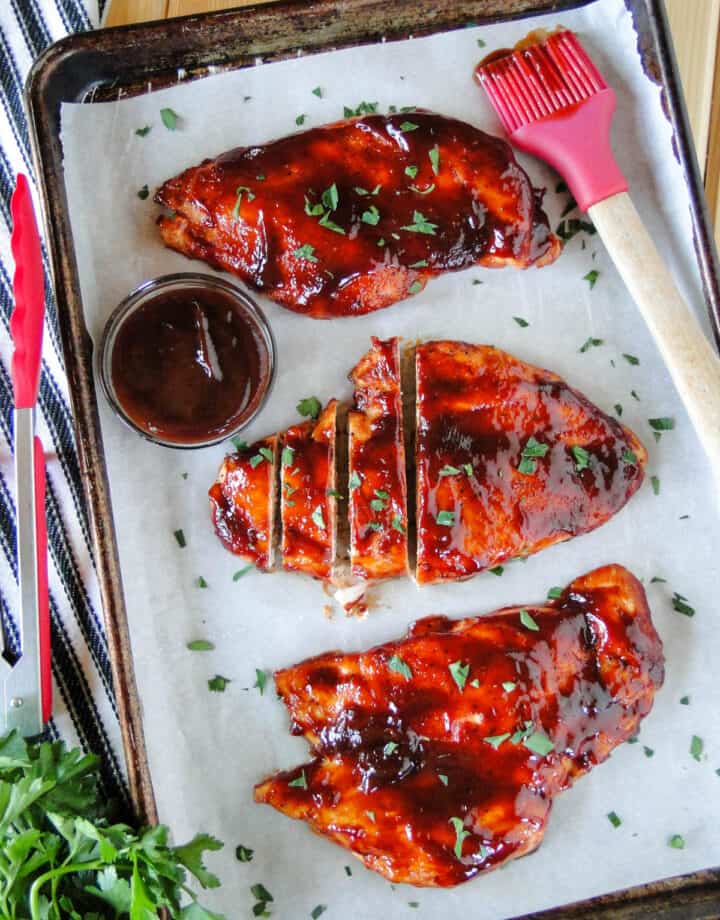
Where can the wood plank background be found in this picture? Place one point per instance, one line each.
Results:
(694, 25)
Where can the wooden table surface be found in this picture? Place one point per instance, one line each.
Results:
(694, 25)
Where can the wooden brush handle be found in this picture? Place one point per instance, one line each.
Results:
(692, 361)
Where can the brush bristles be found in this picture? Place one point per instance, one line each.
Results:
(540, 80)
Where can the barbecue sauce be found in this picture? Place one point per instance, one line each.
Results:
(188, 365)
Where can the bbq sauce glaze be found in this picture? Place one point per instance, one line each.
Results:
(189, 365)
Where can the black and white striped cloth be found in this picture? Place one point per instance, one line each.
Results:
(84, 705)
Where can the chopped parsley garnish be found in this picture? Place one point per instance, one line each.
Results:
(468, 467)
(260, 177)
(539, 743)
(354, 481)
(263, 898)
(421, 264)
(200, 645)
(497, 570)
(590, 343)
(591, 277)
(496, 740)
(648, 751)
(618, 409)
(239, 191)
(655, 483)
(631, 359)
(443, 778)
(527, 620)
(306, 251)
(407, 126)
(333, 493)
(143, 193)
(420, 224)
(523, 323)
(397, 523)
(377, 504)
(481, 43)
(381, 493)
(459, 673)
(266, 453)
(415, 287)
(312, 210)
(460, 835)
(677, 842)
(180, 537)
(533, 448)
(238, 444)
(300, 120)
(348, 871)
(371, 216)
(662, 424)
(310, 406)
(582, 457)
(256, 460)
(371, 815)
(554, 593)
(396, 664)
(169, 118)
(614, 819)
(299, 782)
(657, 580)
(629, 456)
(330, 197)
(290, 490)
(200, 582)
(434, 157)
(508, 686)
(287, 456)
(681, 605)
(317, 517)
(375, 526)
(389, 748)
(319, 909)
(411, 171)
(365, 108)
(240, 572)
(329, 224)
(143, 132)
(567, 229)
(243, 854)
(318, 92)
(260, 680)
(218, 683)
(696, 748)
(423, 191)
(445, 518)
(448, 470)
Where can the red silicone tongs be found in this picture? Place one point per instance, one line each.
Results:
(26, 684)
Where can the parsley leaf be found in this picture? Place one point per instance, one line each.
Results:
(330, 197)
(539, 743)
(631, 359)
(448, 470)
(614, 819)
(677, 842)
(460, 835)
(415, 287)
(554, 593)
(169, 119)
(143, 193)
(434, 157)
(260, 680)
(143, 132)
(508, 686)
(396, 664)
(681, 605)
(523, 323)
(662, 424)
(240, 572)
(306, 251)
(310, 406)
(411, 171)
(397, 523)
(354, 482)
(299, 782)
(696, 748)
(445, 518)
(243, 854)
(180, 537)
(655, 483)
(459, 673)
(286, 458)
(496, 740)
(582, 457)
(200, 582)
(318, 92)
(218, 683)
(200, 645)
(629, 456)
(317, 517)
(590, 343)
(318, 911)
(497, 570)
(300, 119)
(371, 216)
(527, 621)
(407, 126)
(420, 224)
(389, 748)
(591, 277)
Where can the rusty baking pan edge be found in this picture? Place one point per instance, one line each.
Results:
(112, 63)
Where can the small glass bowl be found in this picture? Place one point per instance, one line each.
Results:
(189, 281)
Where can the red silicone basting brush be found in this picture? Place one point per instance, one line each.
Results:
(555, 104)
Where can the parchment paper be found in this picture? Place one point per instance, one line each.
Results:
(206, 750)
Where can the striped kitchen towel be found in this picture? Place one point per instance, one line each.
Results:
(84, 705)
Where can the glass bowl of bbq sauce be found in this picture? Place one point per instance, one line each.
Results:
(187, 360)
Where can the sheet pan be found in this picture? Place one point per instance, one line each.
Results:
(160, 623)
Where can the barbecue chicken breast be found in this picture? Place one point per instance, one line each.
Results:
(509, 460)
(437, 757)
(351, 217)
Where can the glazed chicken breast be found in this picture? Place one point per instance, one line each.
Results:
(437, 757)
(509, 460)
(351, 217)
